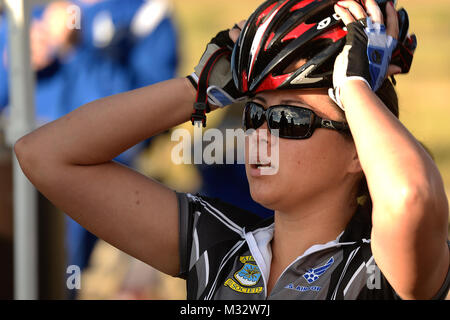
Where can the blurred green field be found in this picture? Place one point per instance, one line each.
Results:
(424, 108)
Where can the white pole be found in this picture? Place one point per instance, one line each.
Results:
(21, 122)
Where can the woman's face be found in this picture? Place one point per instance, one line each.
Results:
(308, 168)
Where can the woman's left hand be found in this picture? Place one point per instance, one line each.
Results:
(368, 51)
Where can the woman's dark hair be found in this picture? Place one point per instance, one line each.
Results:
(388, 95)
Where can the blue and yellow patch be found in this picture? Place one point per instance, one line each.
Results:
(246, 277)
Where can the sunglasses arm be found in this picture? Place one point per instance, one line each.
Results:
(331, 124)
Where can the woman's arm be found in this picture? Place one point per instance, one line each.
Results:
(410, 207)
(70, 162)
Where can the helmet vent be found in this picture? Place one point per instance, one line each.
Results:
(318, 17)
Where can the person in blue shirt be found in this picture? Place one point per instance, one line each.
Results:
(3, 73)
(116, 47)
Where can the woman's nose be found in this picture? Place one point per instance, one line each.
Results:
(263, 133)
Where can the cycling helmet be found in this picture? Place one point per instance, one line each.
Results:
(280, 33)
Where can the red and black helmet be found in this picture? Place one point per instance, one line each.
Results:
(280, 33)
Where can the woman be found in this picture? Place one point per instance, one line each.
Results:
(321, 244)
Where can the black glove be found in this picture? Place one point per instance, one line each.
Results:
(220, 87)
(366, 56)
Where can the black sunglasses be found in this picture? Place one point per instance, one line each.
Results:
(293, 122)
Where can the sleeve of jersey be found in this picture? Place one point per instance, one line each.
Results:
(207, 229)
(185, 233)
(199, 230)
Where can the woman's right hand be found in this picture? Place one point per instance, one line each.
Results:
(221, 89)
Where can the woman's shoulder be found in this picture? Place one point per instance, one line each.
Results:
(209, 229)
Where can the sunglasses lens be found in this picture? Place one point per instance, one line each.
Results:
(253, 116)
(291, 122)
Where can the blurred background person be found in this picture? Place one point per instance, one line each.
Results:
(6, 224)
(115, 46)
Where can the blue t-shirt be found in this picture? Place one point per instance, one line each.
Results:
(118, 51)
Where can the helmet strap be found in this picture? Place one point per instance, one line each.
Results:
(201, 105)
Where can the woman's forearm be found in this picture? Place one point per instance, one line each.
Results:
(101, 130)
(395, 164)
(410, 207)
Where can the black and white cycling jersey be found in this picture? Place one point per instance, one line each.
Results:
(225, 254)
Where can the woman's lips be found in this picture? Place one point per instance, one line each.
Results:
(256, 170)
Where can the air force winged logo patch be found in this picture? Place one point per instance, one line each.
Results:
(314, 274)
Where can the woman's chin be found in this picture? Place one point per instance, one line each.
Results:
(264, 196)
(263, 188)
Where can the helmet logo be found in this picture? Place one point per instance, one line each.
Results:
(303, 78)
(326, 22)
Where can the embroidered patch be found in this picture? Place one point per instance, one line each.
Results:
(314, 274)
(246, 277)
(311, 276)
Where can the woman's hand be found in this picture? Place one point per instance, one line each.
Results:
(49, 36)
(367, 54)
(221, 89)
